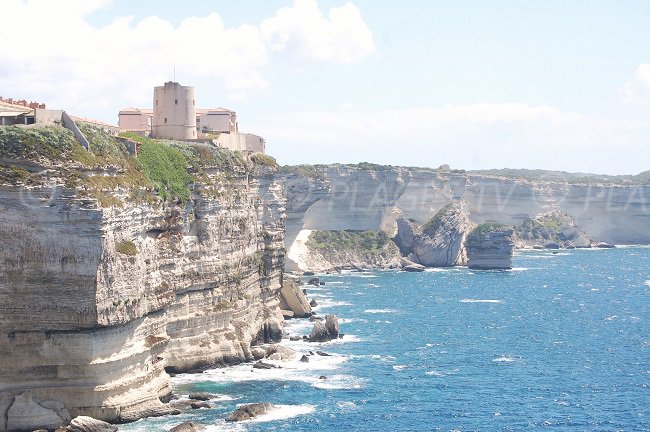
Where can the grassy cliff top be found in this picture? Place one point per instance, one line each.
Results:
(31, 155)
(318, 172)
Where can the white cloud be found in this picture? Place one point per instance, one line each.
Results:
(465, 136)
(303, 31)
(53, 54)
(637, 91)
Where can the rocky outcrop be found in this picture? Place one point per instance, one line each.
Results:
(96, 303)
(332, 326)
(325, 332)
(293, 299)
(407, 231)
(188, 426)
(250, 411)
(490, 247)
(89, 424)
(552, 230)
(441, 243)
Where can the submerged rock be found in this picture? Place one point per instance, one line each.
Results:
(247, 412)
(199, 405)
(264, 365)
(603, 245)
(200, 396)
(414, 268)
(304, 359)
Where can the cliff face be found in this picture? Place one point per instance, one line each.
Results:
(490, 247)
(372, 197)
(96, 302)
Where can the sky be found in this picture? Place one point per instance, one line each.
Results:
(475, 84)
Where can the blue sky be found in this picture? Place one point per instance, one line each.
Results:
(476, 84)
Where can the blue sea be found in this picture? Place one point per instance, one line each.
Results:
(561, 342)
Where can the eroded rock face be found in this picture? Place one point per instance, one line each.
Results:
(441, 243)
(96, 302)
(319, 333)
(332, 326)
(293, 299)
(359, 198)
(406, 234)
(490, 247)
(89, 424)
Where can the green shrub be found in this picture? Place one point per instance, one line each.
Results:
(166, 168)
(33, 143)
(126, 247)
(261, 159)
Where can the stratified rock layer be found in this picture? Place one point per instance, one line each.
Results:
(96, 302)
(489, 247)
(441, 243)
(362, 198)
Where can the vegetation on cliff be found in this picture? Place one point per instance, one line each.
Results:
(344, 247)
(432, 225)
(483, 232)
(109, 173)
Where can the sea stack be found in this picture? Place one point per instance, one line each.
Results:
(489, 247)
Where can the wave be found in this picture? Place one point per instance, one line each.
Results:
(282, 412)
(326, 303)
(339, 382)
(352, 320)
(647, 283)
(379, 311)
(503, 359)
(480, 301)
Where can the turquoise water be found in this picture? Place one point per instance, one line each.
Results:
(562, 343)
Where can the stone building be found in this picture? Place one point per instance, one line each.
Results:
(174, 112)
(175, 116)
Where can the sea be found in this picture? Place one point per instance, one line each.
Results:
(561, 342)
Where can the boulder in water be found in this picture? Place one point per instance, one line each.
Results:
(250, 411)
(89, 424)
(332, 326)
(319, 333)
(188, 426)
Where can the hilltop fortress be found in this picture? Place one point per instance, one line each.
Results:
(175, 116)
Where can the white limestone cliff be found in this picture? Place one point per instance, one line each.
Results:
(95, 303)
(342, 197)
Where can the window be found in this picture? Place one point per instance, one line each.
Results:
(165, 119)
(175, 101)
(193, 102)
(156, 102)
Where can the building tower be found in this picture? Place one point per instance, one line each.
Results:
(174, 112)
